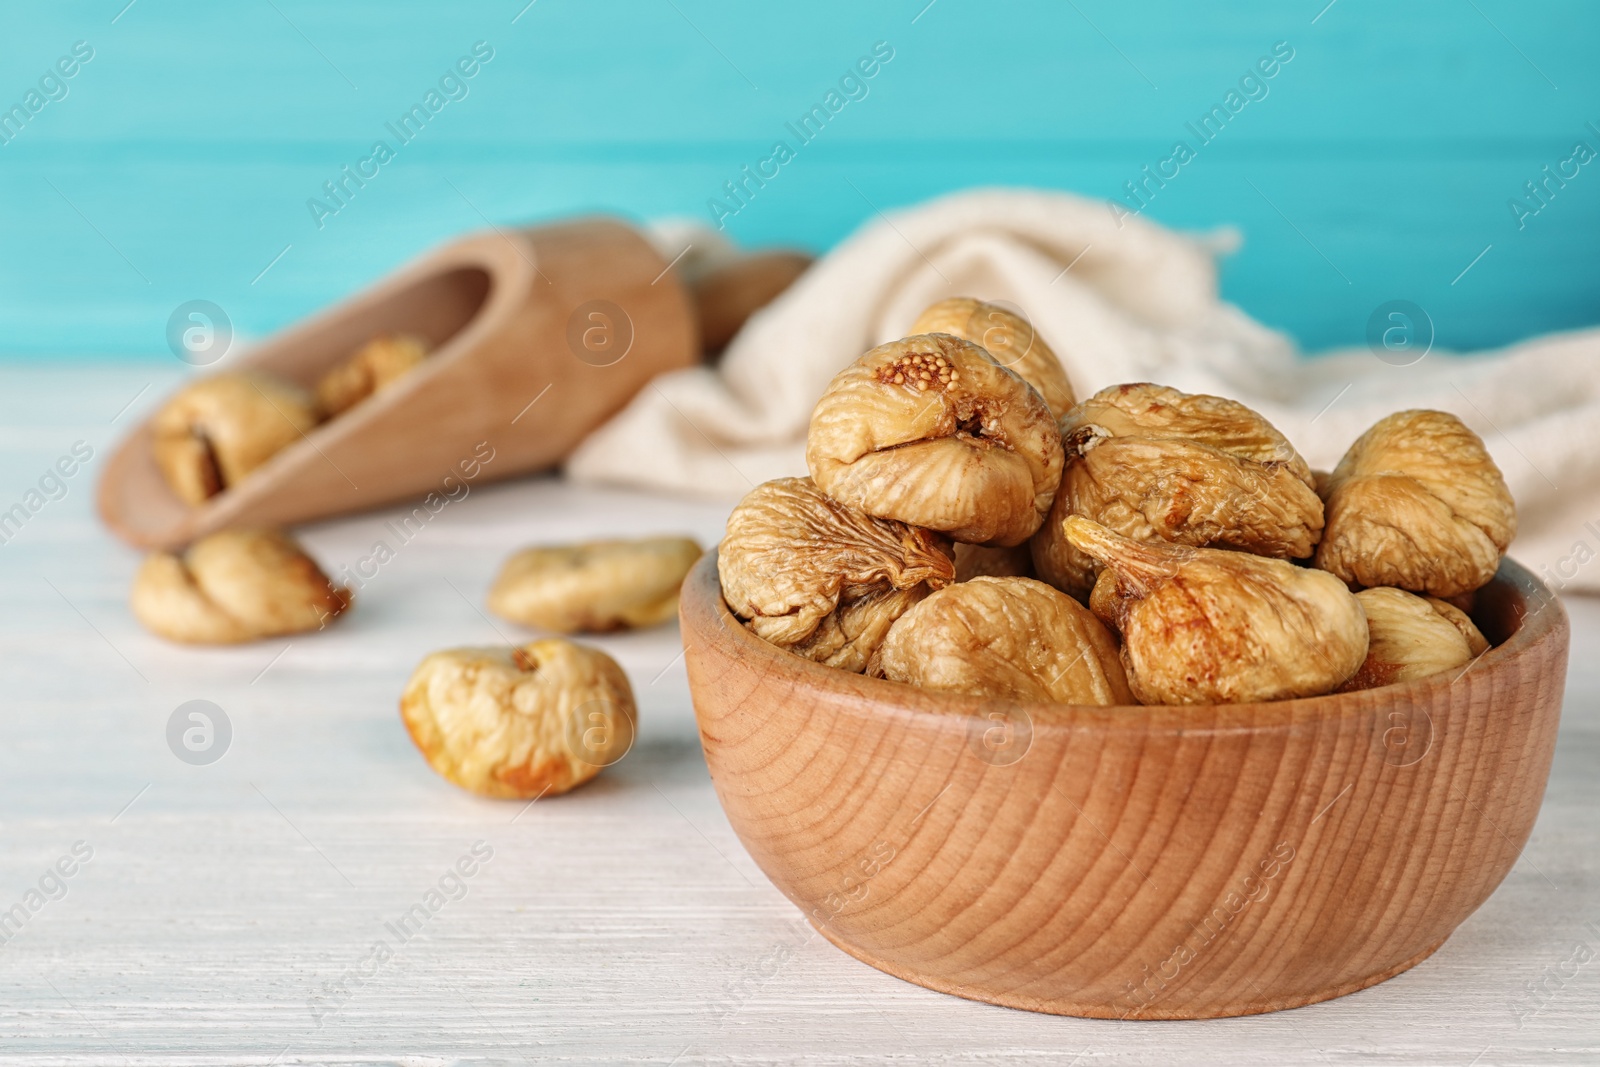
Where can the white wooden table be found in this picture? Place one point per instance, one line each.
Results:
(620, 924)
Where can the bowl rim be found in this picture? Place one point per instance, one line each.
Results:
(1536, 625)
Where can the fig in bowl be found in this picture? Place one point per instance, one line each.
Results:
(1142, 862)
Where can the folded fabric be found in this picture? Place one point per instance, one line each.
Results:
(1118, 302)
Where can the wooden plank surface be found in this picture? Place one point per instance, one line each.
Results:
(620, 924)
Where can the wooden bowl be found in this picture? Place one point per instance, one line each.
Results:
(536, 337)
(1133, 862)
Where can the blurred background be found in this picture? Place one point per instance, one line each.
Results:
(1379, 163)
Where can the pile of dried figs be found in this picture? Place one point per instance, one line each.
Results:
(970, 526)
(529, 720)
(215, 431)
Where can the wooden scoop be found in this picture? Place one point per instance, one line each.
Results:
(537, 337)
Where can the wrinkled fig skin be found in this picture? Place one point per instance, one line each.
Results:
(821, 579)
(1014, 638)
(594, 587)
(1477, 644)
(377, 365)
(976, 561)
(847, 638)
(1409, 637)
(1155, 464)
(931, 431)
(1009, 338)
(215, 431)
(1142, 409)
(235, 586)
(520, 722)
(1211, 626)
(1417, 504)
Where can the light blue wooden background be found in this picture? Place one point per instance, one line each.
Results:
(180, 163)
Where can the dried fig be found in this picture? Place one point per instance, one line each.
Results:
(378, 364)
(1417, 504)
(1205, 625)
(1154, 464)
(931, 431)
(1009, 338)
(537, 719)
(238, 585)
(599, 586)
(821, 579)
(1005, 637)
(215, 431)
(1477, 644)
(1409, 637)
(975, 561)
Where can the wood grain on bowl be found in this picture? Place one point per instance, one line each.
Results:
(1134, 862)
(535, 337)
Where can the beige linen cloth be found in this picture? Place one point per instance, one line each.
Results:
(1117, 304)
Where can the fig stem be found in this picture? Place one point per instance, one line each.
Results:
(1138, 564)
